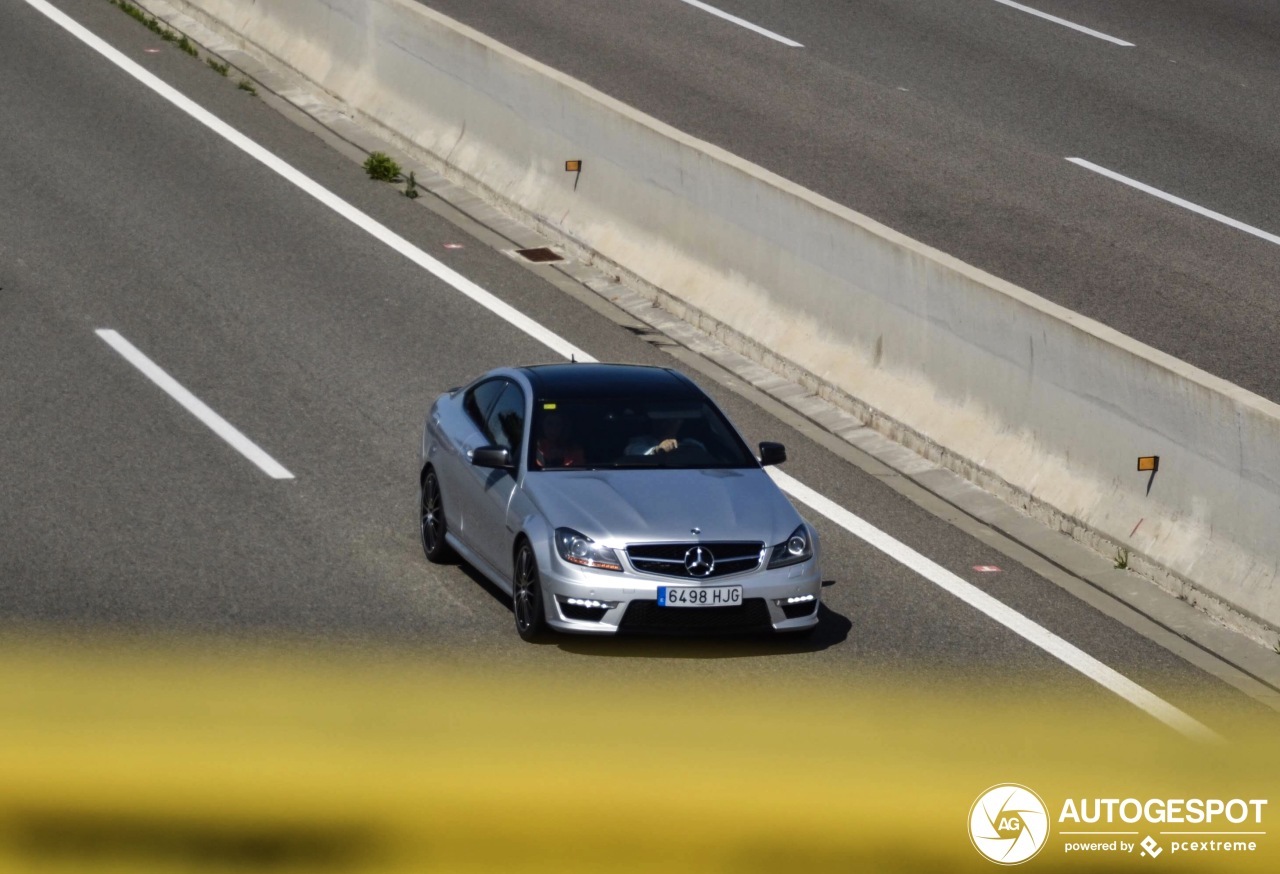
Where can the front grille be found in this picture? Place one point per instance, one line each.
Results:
(646, 616)
(668, 559)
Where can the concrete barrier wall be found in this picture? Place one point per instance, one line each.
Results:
(1031, 400)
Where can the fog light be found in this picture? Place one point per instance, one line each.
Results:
(797, 605)
(590, 604)
(585, 609)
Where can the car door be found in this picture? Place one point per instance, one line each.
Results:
(465, 431)
(488, 532)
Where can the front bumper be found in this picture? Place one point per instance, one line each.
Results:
(587, 601)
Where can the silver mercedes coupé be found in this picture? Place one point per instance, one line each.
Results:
(610, 497)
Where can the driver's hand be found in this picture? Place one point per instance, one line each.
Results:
(666, 445)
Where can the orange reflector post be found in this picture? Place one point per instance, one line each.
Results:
(1149, 462)
(573, 166)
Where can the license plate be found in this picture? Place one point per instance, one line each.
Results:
(688, 596)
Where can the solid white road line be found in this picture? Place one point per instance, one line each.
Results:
(1056, 20)
(1005, 615)
(194, 405)
(1177, 201)
(720, 13)
(1054, 645)
(320, 193)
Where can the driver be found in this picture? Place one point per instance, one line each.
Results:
(664, 439)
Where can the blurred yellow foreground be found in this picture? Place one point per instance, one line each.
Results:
(125, 758)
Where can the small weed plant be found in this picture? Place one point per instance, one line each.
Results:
(153, 24)
(1122, 558)
(381, 167)
(132, 11)
(411, 187)
(220, 69)
(187, 46)
(246, 85)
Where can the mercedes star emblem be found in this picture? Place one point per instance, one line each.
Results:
(699, 561)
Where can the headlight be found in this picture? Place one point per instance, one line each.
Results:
(579, 549)
(795, 549)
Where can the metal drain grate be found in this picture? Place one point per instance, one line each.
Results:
(541, 255)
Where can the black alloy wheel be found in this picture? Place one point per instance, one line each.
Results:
(434, 545)
(526, 595)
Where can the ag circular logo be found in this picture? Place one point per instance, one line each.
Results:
(1008, 824)
(699, 561)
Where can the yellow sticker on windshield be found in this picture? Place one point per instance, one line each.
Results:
(548, 406)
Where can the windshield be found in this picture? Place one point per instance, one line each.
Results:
(613, 434)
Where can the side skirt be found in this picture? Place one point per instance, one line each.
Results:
(478, 563)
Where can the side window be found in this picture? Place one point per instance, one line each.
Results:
(505, 422)
(479, 399)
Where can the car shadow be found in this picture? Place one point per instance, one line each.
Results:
(484, 582)
(833, 629)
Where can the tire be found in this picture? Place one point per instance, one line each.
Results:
(526, 595)
(432, 526)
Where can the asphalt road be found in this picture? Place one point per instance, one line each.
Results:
(121, 512)
(951, 121)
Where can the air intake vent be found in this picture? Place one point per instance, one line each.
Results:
(646, 616)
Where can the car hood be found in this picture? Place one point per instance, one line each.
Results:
(635, 506)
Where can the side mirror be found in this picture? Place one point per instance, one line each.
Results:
(772, 453)
(492, 456)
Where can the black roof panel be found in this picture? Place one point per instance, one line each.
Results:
(608, 381)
